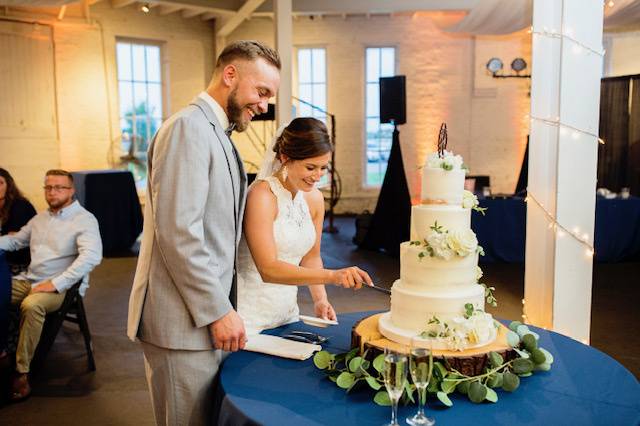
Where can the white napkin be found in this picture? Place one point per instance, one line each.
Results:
(278, 346)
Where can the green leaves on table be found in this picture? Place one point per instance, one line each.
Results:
(350, 370)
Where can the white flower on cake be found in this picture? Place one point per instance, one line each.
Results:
(445, 244)
(462, 242)
(469, 199)
(458, 333)
(439, 245)
(479, 272)
(449, 161)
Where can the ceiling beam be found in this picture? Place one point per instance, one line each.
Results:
(191, 12)
(208, 16)
(166, 9)
(243, 13)
(116, 4)
(338, 7)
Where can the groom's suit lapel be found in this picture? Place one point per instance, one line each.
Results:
(238, 181)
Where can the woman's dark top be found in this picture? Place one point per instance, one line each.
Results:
(20, 213)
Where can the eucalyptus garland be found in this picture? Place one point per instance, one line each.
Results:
(350, 371)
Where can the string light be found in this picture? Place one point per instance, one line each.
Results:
(565, 127)
(559, 229)
(577, 46)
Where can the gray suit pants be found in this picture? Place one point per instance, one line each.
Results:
(181, 384)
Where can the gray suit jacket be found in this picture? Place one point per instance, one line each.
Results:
(196, 193)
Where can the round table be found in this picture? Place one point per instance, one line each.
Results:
(584, 387)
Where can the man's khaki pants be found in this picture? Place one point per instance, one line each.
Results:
(33, 309)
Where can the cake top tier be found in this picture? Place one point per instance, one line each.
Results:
(447, 161)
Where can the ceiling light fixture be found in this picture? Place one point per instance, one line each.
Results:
(145, 8)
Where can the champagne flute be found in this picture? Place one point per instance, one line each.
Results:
(395, 380)
(421, 369)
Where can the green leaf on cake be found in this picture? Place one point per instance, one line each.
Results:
(444, 398)
(468, 308)
(382, 398)
(345, 380)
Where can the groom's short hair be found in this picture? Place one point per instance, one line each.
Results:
(249, 50)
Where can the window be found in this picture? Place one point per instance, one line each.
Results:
(140, 93)
(380, 62)
(312, 89)
(312, 83)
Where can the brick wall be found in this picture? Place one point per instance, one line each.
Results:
(446, 81)
(86, 85)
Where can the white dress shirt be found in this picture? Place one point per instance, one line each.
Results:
(217, 109)
(65, 246)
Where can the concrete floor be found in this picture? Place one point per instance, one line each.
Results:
(116, 394)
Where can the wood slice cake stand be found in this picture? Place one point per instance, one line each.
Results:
(470, 362)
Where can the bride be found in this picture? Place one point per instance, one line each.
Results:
(283, 229)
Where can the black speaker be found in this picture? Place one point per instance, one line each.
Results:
(393, 104)
(270, 115)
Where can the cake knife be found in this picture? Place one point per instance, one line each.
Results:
(377, 288)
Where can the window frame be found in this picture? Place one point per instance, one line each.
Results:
(164, 102)
(365, 181)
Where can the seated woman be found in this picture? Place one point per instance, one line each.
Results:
(280, 247)
(15, 212)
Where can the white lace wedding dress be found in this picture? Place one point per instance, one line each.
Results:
(264, 305)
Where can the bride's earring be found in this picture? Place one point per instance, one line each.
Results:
(284, 173)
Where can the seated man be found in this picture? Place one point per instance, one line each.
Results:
(65, 246)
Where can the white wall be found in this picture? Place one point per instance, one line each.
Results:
(86, 86)
(622, 55)
(446, 81)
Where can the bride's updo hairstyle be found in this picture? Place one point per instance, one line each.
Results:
(303, 138)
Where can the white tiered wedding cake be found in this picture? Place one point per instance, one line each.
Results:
(437, 302)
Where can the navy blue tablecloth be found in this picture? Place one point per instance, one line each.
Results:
(502, 231)
(584, 387)
(5, 299)
(112, 198)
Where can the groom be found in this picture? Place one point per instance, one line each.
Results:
(183, 297)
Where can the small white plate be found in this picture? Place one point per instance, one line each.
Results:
(317, 322)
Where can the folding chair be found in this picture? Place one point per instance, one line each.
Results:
(72, 310)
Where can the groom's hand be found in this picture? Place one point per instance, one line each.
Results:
(228, 332)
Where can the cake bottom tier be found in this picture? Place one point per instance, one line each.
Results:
(413, 309)
(466, 340)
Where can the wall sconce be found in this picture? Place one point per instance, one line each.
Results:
(495, 65)
(145, 8)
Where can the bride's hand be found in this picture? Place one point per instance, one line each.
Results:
(324, 310)
(351, 277)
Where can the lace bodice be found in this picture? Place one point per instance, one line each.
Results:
(266, 305)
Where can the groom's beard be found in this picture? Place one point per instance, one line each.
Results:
(235, 112)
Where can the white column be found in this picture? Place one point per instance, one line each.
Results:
(565, 99)
(284, 46)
